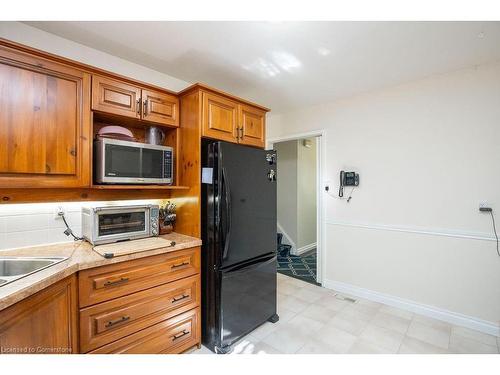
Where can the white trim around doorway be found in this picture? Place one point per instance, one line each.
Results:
(320, 136)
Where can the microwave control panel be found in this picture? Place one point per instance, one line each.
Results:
(167, 164)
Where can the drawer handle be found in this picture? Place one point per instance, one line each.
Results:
(116, 282)
(111, 323)
(184, 296)
(180, 264)
(179, 335)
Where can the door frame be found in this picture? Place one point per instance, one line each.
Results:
(320, 136)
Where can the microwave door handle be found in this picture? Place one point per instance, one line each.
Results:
(227, 199)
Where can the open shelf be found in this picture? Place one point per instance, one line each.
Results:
(140, 187)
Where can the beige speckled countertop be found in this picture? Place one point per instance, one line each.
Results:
(80, 256)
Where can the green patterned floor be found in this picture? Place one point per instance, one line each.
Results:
(301, 267)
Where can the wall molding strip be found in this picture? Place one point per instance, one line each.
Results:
(416, 230)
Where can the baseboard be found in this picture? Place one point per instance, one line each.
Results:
(416, 307)
(303, 249)
(286, 237)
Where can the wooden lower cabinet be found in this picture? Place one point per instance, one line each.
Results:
(45, 323)
(147, 305)
(171, 336)
(106, 322)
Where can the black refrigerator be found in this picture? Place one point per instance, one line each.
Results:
(239, 242)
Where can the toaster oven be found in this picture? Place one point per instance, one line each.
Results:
(102, 225)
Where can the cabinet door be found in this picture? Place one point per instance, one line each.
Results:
(220, 118)
(115, 97)
(252, 126)
(44, 123)
(160, 108)
(44, 323)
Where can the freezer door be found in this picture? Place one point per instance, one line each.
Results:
(247, 202)
(248, 297)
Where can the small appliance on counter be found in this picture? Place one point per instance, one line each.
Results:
(123, 162)
(102, 225)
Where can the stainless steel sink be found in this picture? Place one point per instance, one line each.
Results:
(14, 268)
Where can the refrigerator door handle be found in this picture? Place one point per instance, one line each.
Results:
(227, 199)
(241, 268)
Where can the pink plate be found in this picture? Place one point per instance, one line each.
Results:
(111, 129)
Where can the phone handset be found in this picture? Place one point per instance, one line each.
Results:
(341, 185)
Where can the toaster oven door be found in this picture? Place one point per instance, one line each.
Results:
(118, 224)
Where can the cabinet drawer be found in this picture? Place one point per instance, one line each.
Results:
(174, 335)
(107, 282)
(109, 321)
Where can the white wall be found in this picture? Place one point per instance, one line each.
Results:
(36, 38)
(287, 190)
(427, 152)
(297, 193)
(306, 194)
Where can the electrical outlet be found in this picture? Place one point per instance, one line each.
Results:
(327, 186)
(58, 212)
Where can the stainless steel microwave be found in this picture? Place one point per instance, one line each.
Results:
(102, 225)
(124, 162)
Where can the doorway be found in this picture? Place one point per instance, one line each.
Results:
(299, 219)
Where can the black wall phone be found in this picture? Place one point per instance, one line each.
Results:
(347, 179)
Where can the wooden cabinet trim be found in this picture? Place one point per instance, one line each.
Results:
(203, 87)
(80, 66)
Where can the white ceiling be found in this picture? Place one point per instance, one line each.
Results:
(286, 65)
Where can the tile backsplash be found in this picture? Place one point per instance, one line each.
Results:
(23, 225)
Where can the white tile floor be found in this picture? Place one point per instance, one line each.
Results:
(313, 320)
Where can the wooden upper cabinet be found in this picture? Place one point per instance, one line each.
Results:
(252, 126)
(120, 98)
(44, 323)
(160, 107)
(220, 117)
(115, 97)
(44, 123)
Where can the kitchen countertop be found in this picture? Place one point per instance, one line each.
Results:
(80, 256)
